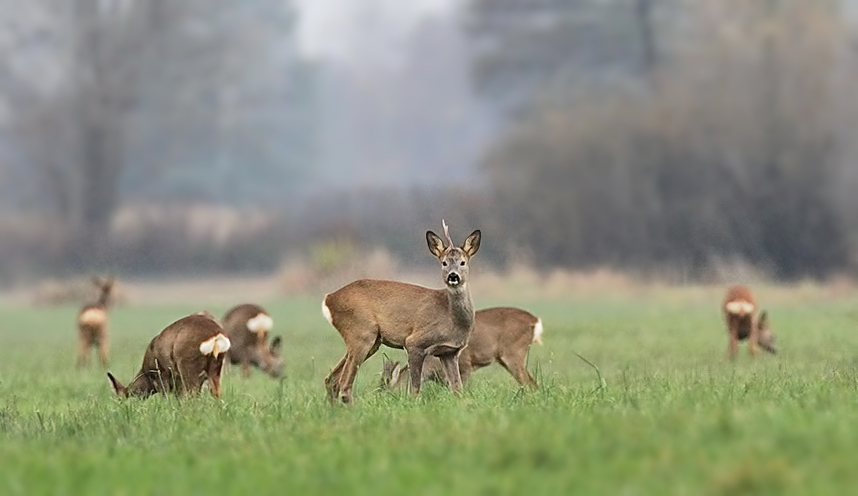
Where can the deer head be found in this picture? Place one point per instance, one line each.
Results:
(454, 260)
(270, 360)
(105, 287)
(140, 387)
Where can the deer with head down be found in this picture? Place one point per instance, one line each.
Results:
(740, 313)
(425, 322)
(501, 334)
(180, 359)
(92, 324)
(247, 327)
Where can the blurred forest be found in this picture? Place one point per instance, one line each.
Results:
(165, 137)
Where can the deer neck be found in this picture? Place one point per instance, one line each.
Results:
(103, 300)
(461, 306)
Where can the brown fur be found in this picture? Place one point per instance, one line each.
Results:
(174, 363)
(743, 324)
(92, 322)
(425, 322)
(248, 347)
(501, 334)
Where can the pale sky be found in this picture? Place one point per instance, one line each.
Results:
(371, 29)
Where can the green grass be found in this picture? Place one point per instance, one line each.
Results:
(675, 417)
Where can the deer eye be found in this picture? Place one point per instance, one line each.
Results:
(444, 263)
(462, 263)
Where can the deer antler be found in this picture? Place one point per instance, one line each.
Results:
(447, 233)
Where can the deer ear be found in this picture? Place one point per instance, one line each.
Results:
(117, 386)
(436, 244)
(275, 345)
(472, 243)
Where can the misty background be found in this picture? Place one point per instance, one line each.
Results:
(187, 137)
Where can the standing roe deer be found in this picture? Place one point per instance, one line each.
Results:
(92, 324)
(180, 359)
(247, 327)
(739, 309)
(434, 322)
(501, 334)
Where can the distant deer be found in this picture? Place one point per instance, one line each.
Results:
(501, 334)
(740, 309)
(180, 359)
(247, 326)
(425, 322)
(92, 324)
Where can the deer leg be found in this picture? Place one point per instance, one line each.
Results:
(245, 368)
(515, 365)
(333, 379)
(451, 370)
(82, 351)
(416, 357)
(190, 379)
(356, 357)
(733, 344)
(752, 341)
(103, 349)
(213, 373)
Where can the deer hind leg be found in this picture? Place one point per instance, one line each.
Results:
(333, 379)
(357, 354)
(213, 373)
(190, 378)
(103, 349)
(733, 343)
(82, 350)
(752, 340)
(515, 364)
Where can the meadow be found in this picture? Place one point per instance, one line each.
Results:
(672, 417)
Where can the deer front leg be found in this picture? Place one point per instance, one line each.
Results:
(416, 357)
(733, 344)
(451, 370)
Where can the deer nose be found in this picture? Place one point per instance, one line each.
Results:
(453, 279)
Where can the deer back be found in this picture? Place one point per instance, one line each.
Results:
(739, 301)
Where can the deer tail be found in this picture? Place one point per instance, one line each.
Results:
(537, 331)
(215, 345)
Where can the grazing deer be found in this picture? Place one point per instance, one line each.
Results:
(425, 322)
(501, 334)
(247, 327)
(740, 309)
(180, 359)
(92, 324)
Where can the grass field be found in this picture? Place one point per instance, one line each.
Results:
(675, 418)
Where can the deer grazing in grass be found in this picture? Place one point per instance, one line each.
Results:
(501, 334)
(247, 327)
(180, 359)
(740, 313)
(425, 322)
(92, 324)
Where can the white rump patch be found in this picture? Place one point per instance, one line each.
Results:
(93, 316)
(327, 311)
(739, 307)
(537, 331)
(260, 323)
(215, 345)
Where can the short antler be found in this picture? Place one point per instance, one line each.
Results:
(447, 233)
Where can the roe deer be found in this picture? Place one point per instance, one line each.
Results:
(180, 359)
(92, 324)
(501, 334)
(247, 327)
(740, 310)
(436, 322)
